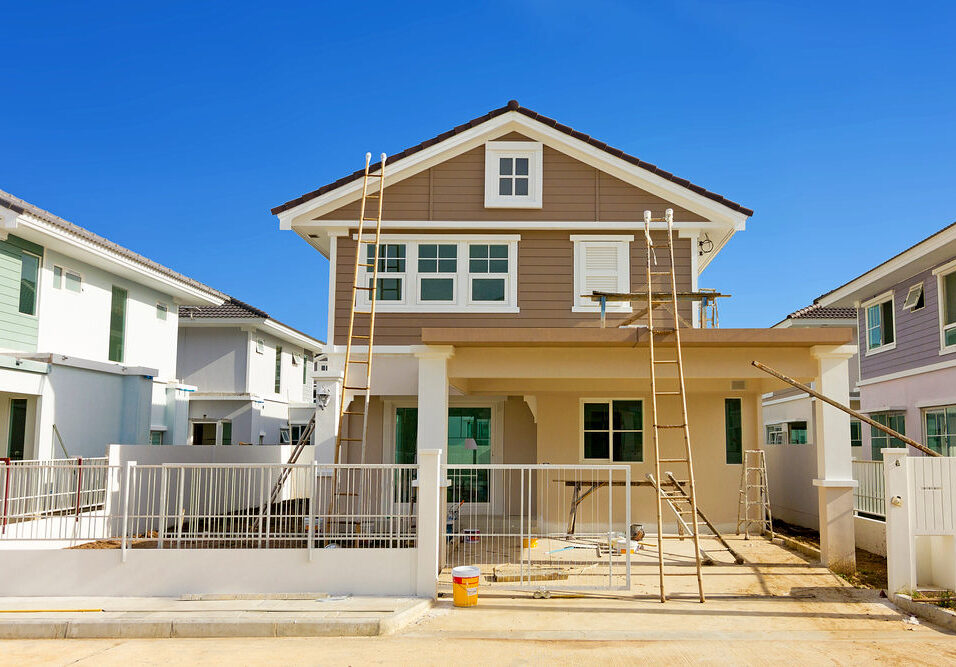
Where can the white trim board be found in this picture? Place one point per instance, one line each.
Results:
(913, 371)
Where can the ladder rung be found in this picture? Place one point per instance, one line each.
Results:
(669, 426)
(351, 439)
(368, 266)
(349, 412)
(667, 393)
(356, 388)
(362, 287)
(665, 361)
(660, 273)
(364, 241)
(358, 361)
(369, 219)
(673, 460)
(663, 331)
(360, 336)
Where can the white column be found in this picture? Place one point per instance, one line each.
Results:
(433, 396)
(328, 383)
(900, 544)
(834, 481)
(430, 515)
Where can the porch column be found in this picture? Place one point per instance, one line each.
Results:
(329, 393)
(433, 396)
(834, 481)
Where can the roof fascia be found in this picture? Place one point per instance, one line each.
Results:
(533, 129)
(852, 290)
(113, 262)
(268, 325)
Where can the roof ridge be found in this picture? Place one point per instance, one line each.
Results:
(513, 105)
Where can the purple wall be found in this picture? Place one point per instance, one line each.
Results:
(917, 332)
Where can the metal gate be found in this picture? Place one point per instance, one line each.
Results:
(548, 527)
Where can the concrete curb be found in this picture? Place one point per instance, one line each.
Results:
(925, 610)
(214, 626)
(796, 545)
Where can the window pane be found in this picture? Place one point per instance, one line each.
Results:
(856, 433)
(949, 287)
(57, 277)
(438, 289)
(521, 166)
(951, 337)
(160, 311)
(227, 433)
(628, 446)
(478, 251)
(498, 266)
(596, 417)
(448, 251)
(278, 374)
(478, 266)
(798, 433)
(627, 416)
(427, 265)
(117, 324)
(29, 268)
(497, 251)
(887, 322)
(504, 186)
(487, 289)
(504, 166)
(73, 281)
(733, 430)
(521, 186)
(447, 265)
(429, 251)
(596, 445)
(389, 289)
(155, 437)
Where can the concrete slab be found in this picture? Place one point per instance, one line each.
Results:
(156, 618)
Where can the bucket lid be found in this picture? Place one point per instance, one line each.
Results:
(465, 571)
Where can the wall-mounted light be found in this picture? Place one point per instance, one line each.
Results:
(705, 245)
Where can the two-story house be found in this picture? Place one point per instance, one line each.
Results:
(906, 310)
(253, 375)
(488, 345)
(87, 339)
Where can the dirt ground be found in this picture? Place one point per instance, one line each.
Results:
(777, 608)
(870, 568)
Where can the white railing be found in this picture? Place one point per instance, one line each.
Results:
(869, 497)
(37, 488)
(560, 526)
(218, 506)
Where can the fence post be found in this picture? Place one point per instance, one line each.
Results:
(79, 486)
(6, 491)
(161, 528)
(429, 521)
(126, 481)
(313, 488)
(900, 542)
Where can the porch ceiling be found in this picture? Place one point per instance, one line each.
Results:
(805, 337)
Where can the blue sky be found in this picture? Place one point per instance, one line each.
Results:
(173, 128)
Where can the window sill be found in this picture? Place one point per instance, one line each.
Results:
(597, 309)
(449, 308)
(501, 203)
(950, 349)
(882, 348)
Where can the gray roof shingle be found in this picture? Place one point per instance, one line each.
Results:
(818, 312)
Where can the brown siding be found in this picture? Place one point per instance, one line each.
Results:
(545, 289)
(572, 191)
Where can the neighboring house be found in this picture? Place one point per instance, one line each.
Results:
(494, 233)
(253, 375)
(789, 426)
(87, 339)
(906, 310)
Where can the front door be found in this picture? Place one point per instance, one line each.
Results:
(18, 428)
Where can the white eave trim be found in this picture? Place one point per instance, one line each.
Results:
(536, 131)
(277, 329)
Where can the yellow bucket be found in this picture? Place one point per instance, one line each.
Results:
(465, 585)
(529, 542)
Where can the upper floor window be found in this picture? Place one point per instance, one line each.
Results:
(64, 278)
(880, 325)
(601, 264)
(914, 298)
(161, 311)
(437, 274)
(117, 324)
(278, 375)
(29, 272)
(513, 174)
(946, 276)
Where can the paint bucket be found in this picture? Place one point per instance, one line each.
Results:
(622, 545)
(471, 535)
(465, 585)
(529, 542)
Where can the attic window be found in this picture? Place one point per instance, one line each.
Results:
(914, 298)
(513, 174)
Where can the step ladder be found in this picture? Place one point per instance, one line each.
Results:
(753, 505)
(671, 394)
(679, 503)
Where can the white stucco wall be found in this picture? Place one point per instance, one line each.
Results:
(78, 324)
(213, 358)
(792, 468)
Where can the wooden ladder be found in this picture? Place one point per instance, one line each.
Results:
(358, 372)
(688, 514)
(754, 495)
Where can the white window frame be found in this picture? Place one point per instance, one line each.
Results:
(609, 401)
(780, 429)
(926, 411)
(165, 309)
(878, 300)
(437, 275)
(365, 298)
(916, 290)
(941, 273)
(462, 302)
(534, 151)
(623, 244)
(260, 346)
(62, 274)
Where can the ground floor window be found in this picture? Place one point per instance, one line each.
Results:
(733, 430)
(856, 433)
(212, 433)
(155, 437)
(941, 430)
(613, 430)
(16, 440)
(291, 435)
(879, 439)
(775, 433)
(798, 433)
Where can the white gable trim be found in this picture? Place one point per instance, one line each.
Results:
(513, 121)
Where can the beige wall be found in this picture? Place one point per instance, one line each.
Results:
(571, 190)
(545, 288)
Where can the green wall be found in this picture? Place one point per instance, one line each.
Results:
(17, 331)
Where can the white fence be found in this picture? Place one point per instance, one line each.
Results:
(548, 526)
(32, 489)
(869, 497)
(920, 521)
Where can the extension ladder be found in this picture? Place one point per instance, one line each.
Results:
(684, 502)
(754, 495)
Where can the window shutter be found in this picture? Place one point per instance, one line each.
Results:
(601, 267)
